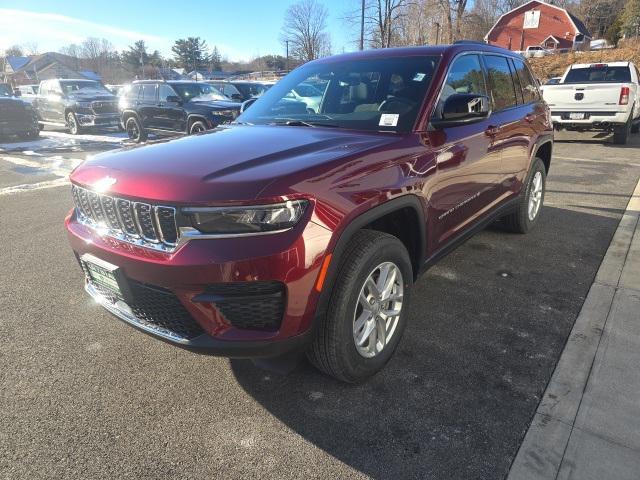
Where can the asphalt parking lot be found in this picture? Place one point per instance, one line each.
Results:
(86, 396)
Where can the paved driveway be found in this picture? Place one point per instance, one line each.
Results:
(86, 396)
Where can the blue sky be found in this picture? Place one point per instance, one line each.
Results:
(241, 29)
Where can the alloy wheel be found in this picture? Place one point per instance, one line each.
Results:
(378, 309)
(535, 195)
(72, 124)
(132, 130)
(197, 128)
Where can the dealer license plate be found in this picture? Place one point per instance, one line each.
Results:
(576, 116)
(102, 274)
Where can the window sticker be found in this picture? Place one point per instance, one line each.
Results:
(389, 120)
(418, 77)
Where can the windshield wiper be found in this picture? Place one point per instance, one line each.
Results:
(301, 123)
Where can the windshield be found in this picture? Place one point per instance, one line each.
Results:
(599, 74)
(379, 94)
(197, 92)
(4, 91)
(82, 86)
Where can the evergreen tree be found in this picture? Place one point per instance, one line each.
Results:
(631, 18)
(216, 60)
(191, 53)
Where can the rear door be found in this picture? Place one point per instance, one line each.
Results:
(508, 134)
(147, 105)
(466, 161)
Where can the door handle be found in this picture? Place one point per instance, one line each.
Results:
(492, 131)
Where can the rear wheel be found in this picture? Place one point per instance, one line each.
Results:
(621, 133)
(368, 309)
(135, 131)
(635, 128)
(531, 200)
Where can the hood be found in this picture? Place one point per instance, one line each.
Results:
(217, 104)
(12, 102)
(225, 165)
(92, 96)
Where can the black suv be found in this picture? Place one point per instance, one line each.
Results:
(16, 117)
(76, 104)
(173, 107)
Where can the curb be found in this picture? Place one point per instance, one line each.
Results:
(544, 447)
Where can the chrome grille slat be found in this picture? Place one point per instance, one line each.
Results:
(144, 219)
(139, 223)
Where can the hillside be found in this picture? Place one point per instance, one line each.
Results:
(555, 65)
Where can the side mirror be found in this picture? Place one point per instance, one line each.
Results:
(17, 93)
(461, 108)
(247, 104)
(174, 99)
(236, 96)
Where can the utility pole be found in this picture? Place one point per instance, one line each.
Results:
(287, 43)
(362, 26)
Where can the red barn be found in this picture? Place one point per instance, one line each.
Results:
(537, 23)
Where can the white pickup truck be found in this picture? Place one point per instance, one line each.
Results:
(597, 96)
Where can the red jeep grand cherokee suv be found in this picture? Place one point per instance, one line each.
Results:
(295, 229)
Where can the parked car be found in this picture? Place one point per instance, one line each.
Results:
(17, 117)
(173, 107)
(241, 90)
(27, 92)
(296, 231)
(597, 97)
(308, 94)
(76, 104)
(115, 89)
(537, 51)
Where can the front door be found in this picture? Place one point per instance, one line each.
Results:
(169, 114)
(466, 161)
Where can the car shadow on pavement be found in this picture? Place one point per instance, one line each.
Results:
(486, 328)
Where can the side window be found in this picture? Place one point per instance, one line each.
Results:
(149, 92)
(165, 91)
(465, 76)
(503, 93)
(529, 88)
(133, 92)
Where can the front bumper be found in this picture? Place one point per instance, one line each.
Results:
(98, 120)
(194, 274)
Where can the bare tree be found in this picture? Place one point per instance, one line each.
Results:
(304, 28)
(30, 48)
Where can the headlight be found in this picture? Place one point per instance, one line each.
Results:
(246, 220)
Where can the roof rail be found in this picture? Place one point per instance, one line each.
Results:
(475, 42)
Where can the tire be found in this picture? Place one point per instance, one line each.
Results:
(197, 127)
(40, 126)
(635, 128)
(334, 349)
(621, 133)
(135, 130)
(520, 220)
(72, 124)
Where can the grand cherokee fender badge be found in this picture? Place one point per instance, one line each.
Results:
(104, 184)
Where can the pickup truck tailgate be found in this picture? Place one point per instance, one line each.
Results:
(583, 97)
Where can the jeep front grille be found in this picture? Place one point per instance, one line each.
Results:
(140, 223)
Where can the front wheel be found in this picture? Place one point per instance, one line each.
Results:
(72, 124)
(368, 308)
(531, 200)
(197, 127)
